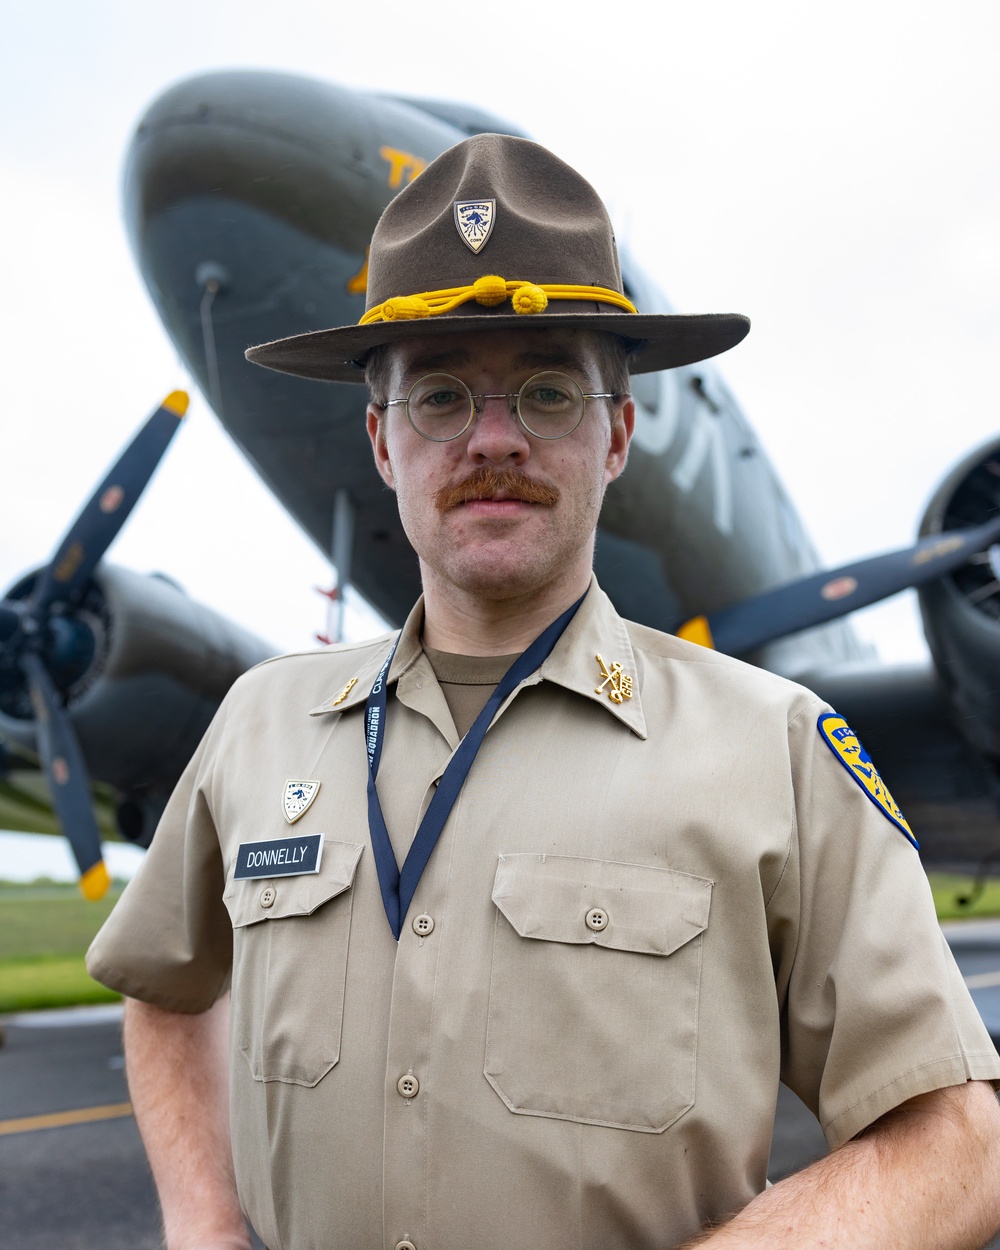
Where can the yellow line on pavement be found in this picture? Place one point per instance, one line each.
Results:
(62, 1119)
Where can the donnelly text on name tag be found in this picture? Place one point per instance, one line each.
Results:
(281, 857)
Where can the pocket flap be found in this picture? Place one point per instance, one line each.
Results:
(293, 896)
(630, 907)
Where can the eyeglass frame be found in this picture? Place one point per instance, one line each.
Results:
(476, 409)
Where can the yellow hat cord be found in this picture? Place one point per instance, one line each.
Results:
(490, 291)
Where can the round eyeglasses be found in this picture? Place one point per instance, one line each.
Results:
(441, 407)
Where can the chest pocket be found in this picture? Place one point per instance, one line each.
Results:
(290, 937)
(594, 990)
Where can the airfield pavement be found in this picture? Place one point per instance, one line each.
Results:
(73, 1175)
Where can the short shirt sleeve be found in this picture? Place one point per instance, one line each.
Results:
(874, 1008)
(168, 940)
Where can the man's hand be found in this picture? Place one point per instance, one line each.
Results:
(177, 1067)
(924, 1177)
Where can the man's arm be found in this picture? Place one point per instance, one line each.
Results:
(177, 1067)
(924, 1177)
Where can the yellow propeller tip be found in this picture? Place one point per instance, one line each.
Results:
(95, 882)
(697, 630)
(177, 403)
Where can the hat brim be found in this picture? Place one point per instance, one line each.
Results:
(662, 341)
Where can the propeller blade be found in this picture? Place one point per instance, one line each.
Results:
(67, 774)
(826, 596)
(96, 527)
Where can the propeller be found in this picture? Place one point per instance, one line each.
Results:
(41, 636)
(826, 596)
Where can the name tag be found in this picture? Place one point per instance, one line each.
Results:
(282, 857)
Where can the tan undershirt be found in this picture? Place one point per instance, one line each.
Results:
(466, 682)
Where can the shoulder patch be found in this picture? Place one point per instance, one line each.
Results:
(844, 743)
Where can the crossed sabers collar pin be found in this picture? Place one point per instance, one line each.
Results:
(620, 683)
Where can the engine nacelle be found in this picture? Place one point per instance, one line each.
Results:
(144, 669)
(961, 611)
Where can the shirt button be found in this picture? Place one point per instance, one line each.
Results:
(405, 1245)
(423, 924)
(267, 896)
(597, 919)
(408, 1085)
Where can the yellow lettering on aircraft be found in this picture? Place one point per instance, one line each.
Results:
(358, 285)
(403, 166)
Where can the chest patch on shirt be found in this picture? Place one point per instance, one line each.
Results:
(281, 857)
(296, 798)
(844, 743)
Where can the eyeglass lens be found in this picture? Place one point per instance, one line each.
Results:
(440, 407)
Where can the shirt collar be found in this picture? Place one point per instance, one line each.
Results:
(408, 652)
(593, 658)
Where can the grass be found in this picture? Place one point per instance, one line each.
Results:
(49, 981)
(49, 918)
(948, 887)
(46, 927)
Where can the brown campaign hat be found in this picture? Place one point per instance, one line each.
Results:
(497, 233)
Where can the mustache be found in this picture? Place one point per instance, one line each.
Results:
(487, 481)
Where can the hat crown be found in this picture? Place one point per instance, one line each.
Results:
(497, 233)
(548, 224)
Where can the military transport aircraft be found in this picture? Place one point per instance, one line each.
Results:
(250, 198)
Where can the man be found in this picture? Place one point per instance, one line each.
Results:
(586, 892)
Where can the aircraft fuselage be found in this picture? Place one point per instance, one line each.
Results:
(250, 199)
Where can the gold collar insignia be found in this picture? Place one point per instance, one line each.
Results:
(620, 683)
(345, 692)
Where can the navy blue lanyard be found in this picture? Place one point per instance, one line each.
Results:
(398, 887)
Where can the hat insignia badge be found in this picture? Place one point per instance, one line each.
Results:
(297, 798)
(474, 221)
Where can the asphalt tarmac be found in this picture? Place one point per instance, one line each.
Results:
(73, 1175)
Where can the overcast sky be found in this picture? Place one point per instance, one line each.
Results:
(832, 171)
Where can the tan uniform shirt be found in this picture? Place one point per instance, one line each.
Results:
(467, 681)
(640, 915)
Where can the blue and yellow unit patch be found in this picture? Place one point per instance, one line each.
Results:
(844, 743)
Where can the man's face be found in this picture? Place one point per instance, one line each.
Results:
(530, 524)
